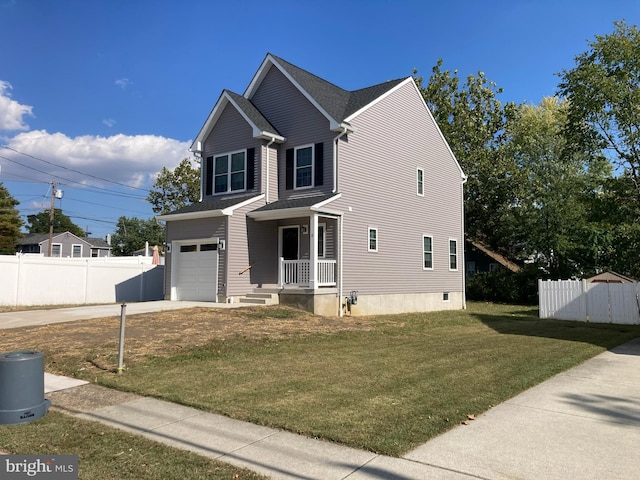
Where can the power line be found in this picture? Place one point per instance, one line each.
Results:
(73, 170)
(110, 192)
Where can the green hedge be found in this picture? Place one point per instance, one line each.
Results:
(505, 286)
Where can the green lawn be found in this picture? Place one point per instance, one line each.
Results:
(110, 454)
(386, 390)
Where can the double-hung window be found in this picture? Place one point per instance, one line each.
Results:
(56, 249)
(230, 172)
(427, 252)
(373, 240)
(453, 254)
(304, 166)
(76, 251)
(420, 181)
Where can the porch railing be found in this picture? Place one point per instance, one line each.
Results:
(296, 272)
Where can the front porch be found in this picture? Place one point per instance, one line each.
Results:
(297, 273)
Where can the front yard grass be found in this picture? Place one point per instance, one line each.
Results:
(110, 454)
(386, 389)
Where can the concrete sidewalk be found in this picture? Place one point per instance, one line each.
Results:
(27, 318)
(582, 424)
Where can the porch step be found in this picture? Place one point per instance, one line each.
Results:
(260, 298)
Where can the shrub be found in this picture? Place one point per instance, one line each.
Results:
(505, 286)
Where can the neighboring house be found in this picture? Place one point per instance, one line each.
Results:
(480, 258)
(64, 244)
(314, 193)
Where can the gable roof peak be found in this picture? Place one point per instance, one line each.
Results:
(336, 103)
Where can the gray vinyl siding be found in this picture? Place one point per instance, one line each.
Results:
(377, 177)
(299, 122)
(193, 230)
(250, 242)
(232, 133)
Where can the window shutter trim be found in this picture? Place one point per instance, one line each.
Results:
(319, 163)
(251, 153)
(208, 189)
(289, 169)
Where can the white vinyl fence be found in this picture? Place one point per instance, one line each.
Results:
(35, 280)
(590, 302)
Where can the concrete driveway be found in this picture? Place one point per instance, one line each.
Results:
(28, 318)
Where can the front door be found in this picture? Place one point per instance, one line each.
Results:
(290, 243)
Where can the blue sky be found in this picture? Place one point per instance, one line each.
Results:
(101, 94)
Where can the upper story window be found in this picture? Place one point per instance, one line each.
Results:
(304, 167)
(453, 254)
(420, 180)
(230, 172)
(373, 240)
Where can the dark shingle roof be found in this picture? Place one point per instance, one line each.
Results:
(252, 112)
(98, 242)
(37, 238)
(337, 102)
(295, 203)
(33, 238)
(212, 204)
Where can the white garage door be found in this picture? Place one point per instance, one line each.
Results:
(197, 271)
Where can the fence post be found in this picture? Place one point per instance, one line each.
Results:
(541, 307)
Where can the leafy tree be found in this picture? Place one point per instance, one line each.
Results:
(472, 119)
(10, 222)
(132, 233)
(552, 212)
(175, 189)
(603, 90)
(39, 223)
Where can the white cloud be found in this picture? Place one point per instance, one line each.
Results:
(132, 160)
(123, 83)
(109, 122)
(12, 112)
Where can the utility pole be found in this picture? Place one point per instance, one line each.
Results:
(53, 196)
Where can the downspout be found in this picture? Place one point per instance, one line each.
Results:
(464, 264)
(340, 259)
(198, 154)
(335, 158)
(268, 172)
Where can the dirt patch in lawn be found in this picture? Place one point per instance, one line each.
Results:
(93, 344)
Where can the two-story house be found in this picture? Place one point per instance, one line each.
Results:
(321, 195)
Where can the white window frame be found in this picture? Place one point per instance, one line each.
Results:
(322, 240)
(420, 182)
(53, 246)
(73, 247)
(425, 251)
(377, 239)
(452, 254)
(228, 174)
(296, 168)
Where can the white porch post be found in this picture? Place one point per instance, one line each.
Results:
(313, 251)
